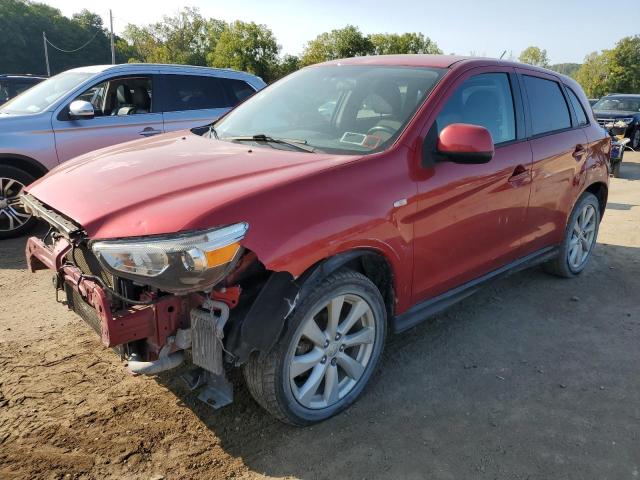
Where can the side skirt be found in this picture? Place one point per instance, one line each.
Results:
(421, 311)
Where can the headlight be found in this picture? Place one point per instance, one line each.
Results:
(177, 263)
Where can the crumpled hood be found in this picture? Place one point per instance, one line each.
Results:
(168, 183)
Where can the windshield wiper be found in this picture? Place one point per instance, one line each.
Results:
(261, 137)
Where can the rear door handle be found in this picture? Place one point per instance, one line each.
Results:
(520, 176)
(579, 151)
(149, 131)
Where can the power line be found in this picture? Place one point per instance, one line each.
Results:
(75, 50)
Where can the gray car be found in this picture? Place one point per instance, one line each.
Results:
(93, 107)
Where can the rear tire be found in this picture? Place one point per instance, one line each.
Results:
(580, 237)
(305, 380)
(14, 221)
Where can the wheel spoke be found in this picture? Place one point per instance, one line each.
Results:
(334, 308)
(351, 366)
(312, 332)
(310, 387)
(331, 387)
(5, 187)
(587, 217)
(363, 336)
(302, 363)
(358, 309)
(573, 253)
(576, 228)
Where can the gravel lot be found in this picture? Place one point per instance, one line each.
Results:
(534, 377)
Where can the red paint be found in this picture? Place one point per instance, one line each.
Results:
(459, 221)
(464, 138)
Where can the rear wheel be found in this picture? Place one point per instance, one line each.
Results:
(14, 221)
(580, 238)
(327, 355)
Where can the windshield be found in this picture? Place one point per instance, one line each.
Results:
(620, 104)
(336, 109)
(41, 96)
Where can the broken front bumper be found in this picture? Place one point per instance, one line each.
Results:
(155, 323)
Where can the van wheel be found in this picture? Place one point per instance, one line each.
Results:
(14, 221)
(327, 354)
(579, 239)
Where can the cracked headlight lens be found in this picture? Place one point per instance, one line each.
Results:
(174, 263)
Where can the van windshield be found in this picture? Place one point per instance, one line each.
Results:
(41, 96)
(348, 109)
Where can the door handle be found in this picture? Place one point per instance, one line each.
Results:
(579, 151)
(149, 132)
(520, 176)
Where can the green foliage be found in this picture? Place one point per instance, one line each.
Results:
(568, 69)
(249, 47)
(534, 56)
(616, 70)
(182, 38)
(392, 44)
(342, 43)
(21, 46)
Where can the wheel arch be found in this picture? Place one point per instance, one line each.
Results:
(28, 164)
(601, 191)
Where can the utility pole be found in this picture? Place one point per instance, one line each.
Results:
(113, 51)
(46, 53)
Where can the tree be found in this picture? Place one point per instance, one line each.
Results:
(534, 56)
(593, 74)
(288, 64)
(392, 43)
(568, 69)
(249, 47)
(182, 38)
(341, 43)
(624, 71)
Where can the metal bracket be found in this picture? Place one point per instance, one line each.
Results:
(217, 391)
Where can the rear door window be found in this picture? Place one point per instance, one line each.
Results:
(192, 92)
(485, 100)
(237, 90)
(578, 108)
(547, 106)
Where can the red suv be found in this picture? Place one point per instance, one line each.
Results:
(349, 199)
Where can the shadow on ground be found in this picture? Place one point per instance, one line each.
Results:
(533, 377)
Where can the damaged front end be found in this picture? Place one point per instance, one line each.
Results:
(153, 299)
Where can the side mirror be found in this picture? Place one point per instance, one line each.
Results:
(81, 109)
(464, 143)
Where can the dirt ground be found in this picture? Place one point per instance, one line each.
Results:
(534, 377)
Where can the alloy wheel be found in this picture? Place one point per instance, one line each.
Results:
(12, 215)
(582, 237)
(332, 351)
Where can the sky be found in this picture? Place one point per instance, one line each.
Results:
(567, 29)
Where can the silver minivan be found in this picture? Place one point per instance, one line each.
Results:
(93, 107)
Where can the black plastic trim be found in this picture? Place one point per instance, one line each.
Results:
(421, 311)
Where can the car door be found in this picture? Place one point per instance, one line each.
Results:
(124, 109)
(560, 149)
(190, 101)
(470, 218)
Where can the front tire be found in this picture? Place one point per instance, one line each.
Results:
(579, 239)
(330, 349)
(14, 221)
(635, 138)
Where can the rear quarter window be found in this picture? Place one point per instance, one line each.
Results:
(547, 106)
(577, 107)
(237, 90)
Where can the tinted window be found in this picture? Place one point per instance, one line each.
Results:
(484, 100)
(547, 105)
(191, 92)
(237, 90)
(577, 107)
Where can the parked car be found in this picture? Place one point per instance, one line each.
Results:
(93, 107)
(13, 85)
(621, 108)
(593, 101)
(288, 241)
